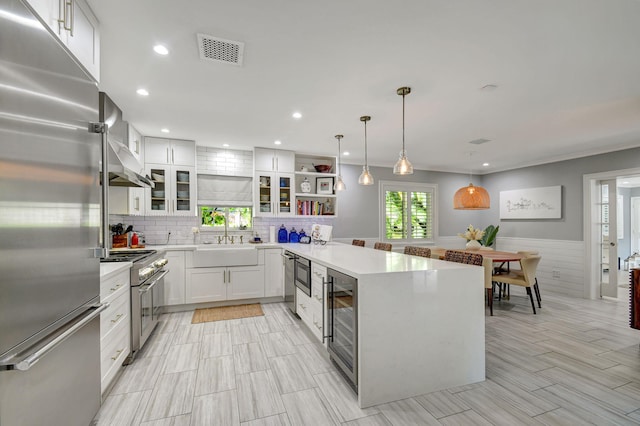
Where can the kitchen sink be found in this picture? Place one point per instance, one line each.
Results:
(211, 255)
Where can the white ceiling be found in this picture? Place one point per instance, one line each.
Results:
(567, 71)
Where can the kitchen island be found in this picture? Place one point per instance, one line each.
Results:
(420, 322)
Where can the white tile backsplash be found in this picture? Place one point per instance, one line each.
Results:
(156, 228)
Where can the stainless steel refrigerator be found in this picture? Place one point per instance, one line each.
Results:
(49, 229)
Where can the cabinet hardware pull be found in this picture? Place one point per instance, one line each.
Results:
(72, 17)
(173, 157)
(115, 288)
(64, 6)
(117, 318)
(118, 352)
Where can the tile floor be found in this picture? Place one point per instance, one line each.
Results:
(577, 362)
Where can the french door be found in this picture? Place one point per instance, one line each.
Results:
(607, 203)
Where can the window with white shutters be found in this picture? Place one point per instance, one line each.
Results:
(407, 211)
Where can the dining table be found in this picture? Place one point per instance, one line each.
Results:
(498, 257)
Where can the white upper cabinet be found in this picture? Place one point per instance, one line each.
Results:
(170, 151)
(274, 160)
(75, 25)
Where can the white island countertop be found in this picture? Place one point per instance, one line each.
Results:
(361, 261)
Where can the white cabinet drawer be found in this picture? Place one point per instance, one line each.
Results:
(303, 307)
(111, 288)
(117, 312)
(115, 348)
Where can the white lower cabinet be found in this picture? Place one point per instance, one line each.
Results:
(311, 308)
(310, 312)
(115, 326)
(273, 273)
(224, 283)
(174, 281)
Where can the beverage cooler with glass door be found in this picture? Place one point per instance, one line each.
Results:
(342, 309)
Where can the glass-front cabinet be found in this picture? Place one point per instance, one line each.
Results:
(274, 193)
(174, 191)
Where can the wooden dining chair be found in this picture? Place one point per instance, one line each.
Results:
(359, 243)
(382, 246)
(417, 251)
(525, 279)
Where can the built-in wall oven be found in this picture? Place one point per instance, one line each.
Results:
(302, 274)
(342, 310)
(147, 292)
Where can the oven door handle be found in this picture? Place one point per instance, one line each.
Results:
(146, 288)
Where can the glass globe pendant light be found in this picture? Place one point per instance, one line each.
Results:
(339, 186)
(403, 166)
(365, 177)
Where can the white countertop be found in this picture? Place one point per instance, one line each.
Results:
(108, 269)
(360, 261)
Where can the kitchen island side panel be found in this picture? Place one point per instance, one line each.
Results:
(419, 332)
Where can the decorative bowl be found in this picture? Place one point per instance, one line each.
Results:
(322, 168)
(157, 194)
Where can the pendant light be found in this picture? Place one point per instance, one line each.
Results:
(471, 197)
(339, 186)
(403, 166)
(365, 177)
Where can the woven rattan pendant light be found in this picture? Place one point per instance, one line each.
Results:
(471, 197)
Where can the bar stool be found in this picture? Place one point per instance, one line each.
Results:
(359, 243)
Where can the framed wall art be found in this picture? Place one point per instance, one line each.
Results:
(531, 203)
(324, 185)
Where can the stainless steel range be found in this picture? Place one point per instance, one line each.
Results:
(147, 292)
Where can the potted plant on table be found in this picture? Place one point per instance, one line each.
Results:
(477, 238)
(473, 237)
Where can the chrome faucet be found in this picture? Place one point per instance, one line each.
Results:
(231, 239)
(226, 231)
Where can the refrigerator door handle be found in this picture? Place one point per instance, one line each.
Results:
(33, 358)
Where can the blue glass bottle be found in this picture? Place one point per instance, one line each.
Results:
(283, 236)
(301, 234)
(293, 236)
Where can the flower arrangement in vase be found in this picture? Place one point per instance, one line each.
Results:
(473, 237)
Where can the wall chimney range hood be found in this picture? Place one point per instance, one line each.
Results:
(124, 169)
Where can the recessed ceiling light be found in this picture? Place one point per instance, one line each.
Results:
(165, 130)
(485, 164)
(226, 145)
(346, 153)
(296, 115)
(160, 49)
(626, 182)
(277, 142)
(142, 92)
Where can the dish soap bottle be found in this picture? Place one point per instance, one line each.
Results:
(283, 236)
(293, 236)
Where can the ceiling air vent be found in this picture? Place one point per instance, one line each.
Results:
(220, 50)
(479, 141)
